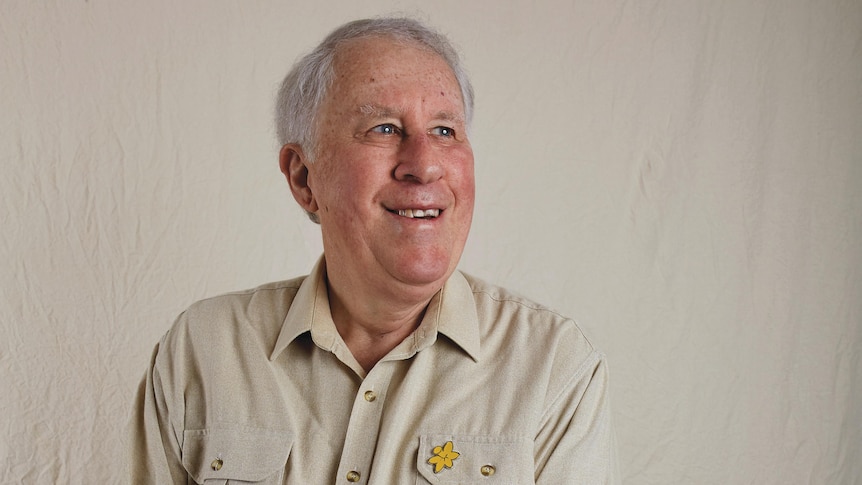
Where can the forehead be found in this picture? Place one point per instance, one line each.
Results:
(386, 65)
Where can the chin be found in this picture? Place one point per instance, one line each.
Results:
(424, 271)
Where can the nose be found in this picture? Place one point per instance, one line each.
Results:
(418, 161)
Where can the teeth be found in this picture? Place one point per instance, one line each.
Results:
(413, 213)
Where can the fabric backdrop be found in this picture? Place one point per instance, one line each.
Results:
(684, 178)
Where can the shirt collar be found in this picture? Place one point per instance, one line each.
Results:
(451, 312)
(454, 310)
(301, 313)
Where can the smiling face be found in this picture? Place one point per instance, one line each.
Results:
(392, 180)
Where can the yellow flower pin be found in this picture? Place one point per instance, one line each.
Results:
(443, 456)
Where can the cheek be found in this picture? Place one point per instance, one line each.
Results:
(349, 193)
(467, 191)
(465, 178)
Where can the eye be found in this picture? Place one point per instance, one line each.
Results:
(443, 131)
(386, 129)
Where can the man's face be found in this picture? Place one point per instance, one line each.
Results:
(393, 173)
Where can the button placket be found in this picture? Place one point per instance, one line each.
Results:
(364, 426)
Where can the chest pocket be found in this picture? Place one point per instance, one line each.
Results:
(486, 460)
(221, 456)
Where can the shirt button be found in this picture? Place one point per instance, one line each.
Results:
(216, 464)
(353, 476)
(487, 470)
(370, 396)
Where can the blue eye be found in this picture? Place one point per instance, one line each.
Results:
(443, 131)
(386, 129)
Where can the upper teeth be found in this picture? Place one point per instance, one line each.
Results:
(419, 212)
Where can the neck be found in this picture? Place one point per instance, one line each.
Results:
(372, 325)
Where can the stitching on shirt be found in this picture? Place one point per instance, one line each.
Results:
(534, 307)
(282, 285)
(589, 363)
(521, 302)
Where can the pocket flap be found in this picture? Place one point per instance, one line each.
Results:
(246, 454)
(480, 459)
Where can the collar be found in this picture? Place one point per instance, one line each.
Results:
(451, 312)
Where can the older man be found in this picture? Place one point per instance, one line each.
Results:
(385, 365)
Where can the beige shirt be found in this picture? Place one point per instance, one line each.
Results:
(258, 387)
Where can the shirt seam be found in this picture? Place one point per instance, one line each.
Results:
(252, 291)
(590, 362)
(521, 302)
(536, 307)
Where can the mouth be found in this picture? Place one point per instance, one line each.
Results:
(418, 213)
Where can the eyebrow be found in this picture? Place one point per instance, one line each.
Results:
(373, 111)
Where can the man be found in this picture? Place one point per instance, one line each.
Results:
(385, 365)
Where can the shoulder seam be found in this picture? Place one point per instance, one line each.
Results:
(281, 286)
(524, 303)
(590, 362)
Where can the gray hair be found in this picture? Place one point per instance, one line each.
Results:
(305, 86)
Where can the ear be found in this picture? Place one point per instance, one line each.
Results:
(293, 164)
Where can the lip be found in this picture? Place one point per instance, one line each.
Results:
(395, 213)
(414, 205)
(424, 200)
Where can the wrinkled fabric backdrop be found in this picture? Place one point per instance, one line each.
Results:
(684, 178)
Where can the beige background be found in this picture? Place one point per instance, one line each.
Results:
(682, 177)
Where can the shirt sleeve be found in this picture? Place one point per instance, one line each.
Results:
(576, 443)
(154, 451)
